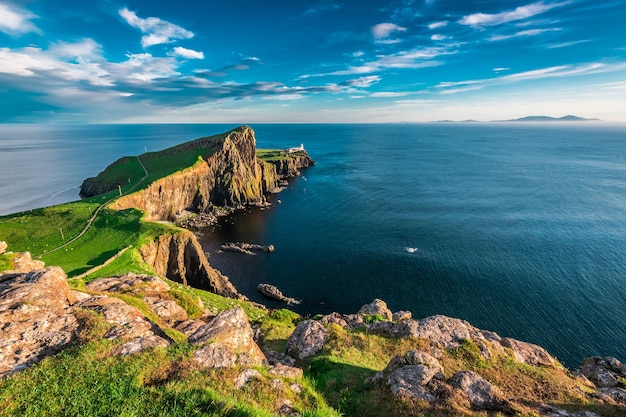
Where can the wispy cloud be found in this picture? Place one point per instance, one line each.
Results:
(567, 44)
(523, 33)
(388, 94)
(437, 25)
(561, 71)
(156, 31)
(322, 7)
(382, 31)
(16, 21)
(520, 13)
(187, 53)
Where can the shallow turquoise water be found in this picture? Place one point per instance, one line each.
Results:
(517, 228)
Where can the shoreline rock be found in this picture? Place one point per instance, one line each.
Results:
(272, 292)
(246, 248)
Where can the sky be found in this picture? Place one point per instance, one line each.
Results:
(323, 61)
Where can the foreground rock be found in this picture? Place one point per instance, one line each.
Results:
(604, 372)
(231, 341)
(35, 318)
(308, 338)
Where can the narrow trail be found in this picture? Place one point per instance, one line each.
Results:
(97, 211)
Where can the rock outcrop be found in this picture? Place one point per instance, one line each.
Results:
(180, 258)
(35, 317)
(270, 291)
(308, 338)
(232, 176)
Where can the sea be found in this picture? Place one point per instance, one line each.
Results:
(517, 228)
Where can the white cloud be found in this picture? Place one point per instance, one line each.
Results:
(187, 53)
(15, 21)
(383, 30)
(567, 44)
(438, 37)
(530, 32)
(388, 94)
(500, 69)
(437, 25)
(156, 31)
(520, 13)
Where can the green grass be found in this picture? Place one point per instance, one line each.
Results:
(160, 165)
(124, 171)
(268, 155)
(111, 232)
(40, 230)
(6, 261)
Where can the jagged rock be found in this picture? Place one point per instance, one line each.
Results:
(617, 395)
(189, 327)
(80, 296)
(247, 248)
(139, 345)
(23, 263)
(603, 372)
(286, 409)
(231, 329)
(481, 394)
(215, 355)
(308, 338)
(528, 353)
(127, 322)
(376, 308)
(129, 283)
(274, 293)
(401, 316)
(286, 371)
(35, 317)
(411, 381)
(180, 258)
(275, 358)
(3, 247)
(168, 311)
(278, 385)
(245, 377)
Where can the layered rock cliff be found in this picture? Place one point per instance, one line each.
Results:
(180, 258)
(232, 176)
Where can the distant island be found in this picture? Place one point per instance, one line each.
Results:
(568, 118)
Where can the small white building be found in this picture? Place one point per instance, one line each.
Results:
(296, 149)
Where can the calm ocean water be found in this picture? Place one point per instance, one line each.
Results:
(517, 228)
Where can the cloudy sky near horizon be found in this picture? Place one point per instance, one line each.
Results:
(279, 61)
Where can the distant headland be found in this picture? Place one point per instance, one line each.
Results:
(535, 119)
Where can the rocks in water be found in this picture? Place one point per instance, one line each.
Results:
(230, 329)
(603, 372)
(308, 338)
(270, 291)
(247, 248)
(376, 308)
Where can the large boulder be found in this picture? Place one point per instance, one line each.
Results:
(35, 317)
(528, 353)
(168, 311)
(231, 329)
(482, 395)
(215, 355)
(23, 263)
(126, 321)
(376, 308)
(603, 372)
(410, 376)
(308, 338)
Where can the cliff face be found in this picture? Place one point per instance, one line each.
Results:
(290, 167)
(181, 258)
(233, 176)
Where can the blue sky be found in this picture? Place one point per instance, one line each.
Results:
(241, 61)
